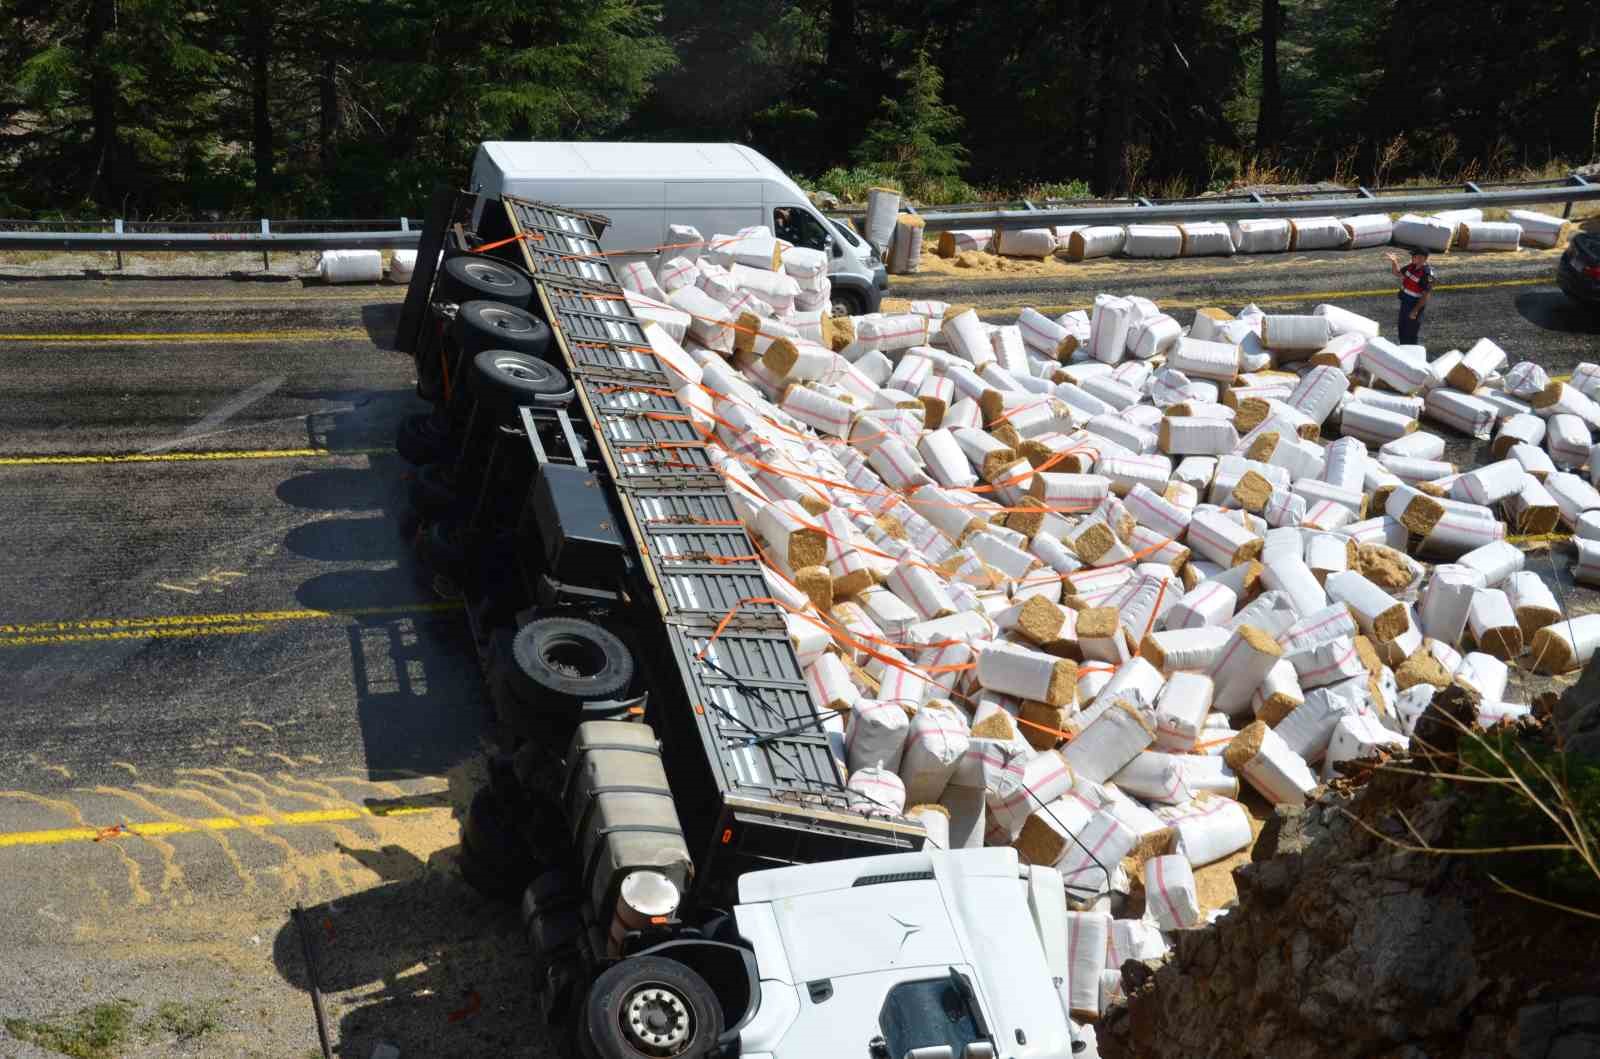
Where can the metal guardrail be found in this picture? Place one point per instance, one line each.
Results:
(1251, 206)
(1019, 214)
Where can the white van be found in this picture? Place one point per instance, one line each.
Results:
(716, 187)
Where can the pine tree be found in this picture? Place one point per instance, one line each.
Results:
(912, 140)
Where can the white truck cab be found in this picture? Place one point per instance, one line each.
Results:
(644, 187)
(931, 955)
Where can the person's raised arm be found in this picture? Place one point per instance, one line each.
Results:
(1394, 263)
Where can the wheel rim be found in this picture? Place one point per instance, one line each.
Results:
(489, 274)
(520, 369)
(574, 657)
(656, 1020)
(504, 320)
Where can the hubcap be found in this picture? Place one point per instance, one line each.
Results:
(488, 274)
(657, 1020)
(505, 321)
(518, 370)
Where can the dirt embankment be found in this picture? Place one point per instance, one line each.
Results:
(1345, 944)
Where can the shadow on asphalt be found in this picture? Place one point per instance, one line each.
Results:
(420, 702)
(381, 319)
(420, 960)
(1554, 311)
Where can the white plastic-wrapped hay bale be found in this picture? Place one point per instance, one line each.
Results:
(1489, 235)
(905, 245)
(1025, 242)
(1171, 895)
(1153, 240)
(1206, 239)
(1265, 236)
(954, 242)
(1367, 229)
(1317, 233)
(1538, 229)
(1423, 233)
(1101, 240)
(1456, 218)
(883, 206)
(401, 264)
(876, 791)
(1344, 322)
(350, 266)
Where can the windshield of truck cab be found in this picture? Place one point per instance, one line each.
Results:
(795, 225)
(928, 1013)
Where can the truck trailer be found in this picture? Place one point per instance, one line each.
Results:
(666, 747)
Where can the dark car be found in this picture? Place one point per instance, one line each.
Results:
(1579, 271)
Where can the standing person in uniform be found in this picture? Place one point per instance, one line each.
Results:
(1416, 286)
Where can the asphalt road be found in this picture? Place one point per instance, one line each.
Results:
(218, 659)
(227, 688)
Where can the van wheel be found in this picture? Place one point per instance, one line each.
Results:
(482, 325)
(649, 1006)
(470, 277)
(848, 303)
(503, 380)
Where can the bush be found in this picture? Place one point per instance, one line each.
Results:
(850, 185)
(1068, 189)
(1559, 787)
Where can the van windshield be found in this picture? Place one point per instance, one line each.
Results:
(846, 231)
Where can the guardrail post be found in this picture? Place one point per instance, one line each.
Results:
(1566, 212)
(266, 255)
(117, 227)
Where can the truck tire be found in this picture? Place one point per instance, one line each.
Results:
(482, 325)
(443, 550)
(421, 439)
(502, 380)
(496, 859)
(433, 490)
(471, 277)
(650, 1007)
(565, 662)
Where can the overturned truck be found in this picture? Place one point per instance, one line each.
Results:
(667, 746)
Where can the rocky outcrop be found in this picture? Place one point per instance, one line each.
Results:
(1343, 944)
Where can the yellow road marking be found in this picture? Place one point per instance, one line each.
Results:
(32, 634)
(186, 457)
(1277, 299)
(156, 828)
(184, 337)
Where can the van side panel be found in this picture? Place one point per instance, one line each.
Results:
(637, 208)
(716, 206)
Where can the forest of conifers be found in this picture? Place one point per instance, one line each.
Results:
(355, 108)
